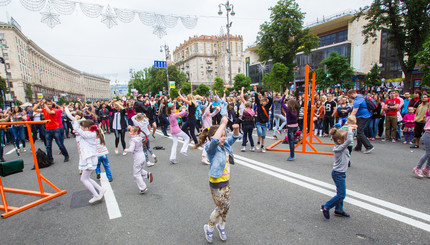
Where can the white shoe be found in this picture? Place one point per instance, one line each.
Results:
(405, 142)
(252, 149)
(150, 164)
(116, 151)
(93, 200)
(205, 162)
(155, 158)
(124, 153)
(243, 149)
(263, 149)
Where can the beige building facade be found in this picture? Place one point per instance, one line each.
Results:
(204, 57)
(32, 72)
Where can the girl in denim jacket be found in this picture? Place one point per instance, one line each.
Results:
(219, 152)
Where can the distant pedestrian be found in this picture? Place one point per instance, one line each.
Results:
(88, 156)
(139, 160)
(220, 157)
(341, 139)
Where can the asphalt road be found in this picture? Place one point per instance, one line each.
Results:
(273, 201)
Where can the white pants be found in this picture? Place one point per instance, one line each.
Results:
(90, 184)
(175, 144)
(139, 163)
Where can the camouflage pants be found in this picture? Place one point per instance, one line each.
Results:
(221, 197)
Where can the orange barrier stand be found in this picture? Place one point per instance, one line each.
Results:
(304, 142)
(9, 210)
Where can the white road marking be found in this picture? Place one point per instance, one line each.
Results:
(317, 185)
(110, 200)
(361, 204)
(10, 152)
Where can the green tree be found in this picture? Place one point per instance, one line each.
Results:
(423, 58)
(3, 87)
(240, 80)
(374, 77)
(282, 37)
(321, 80)
(186, 88)
(203, 90)
(277, 78)
(408, 25)
(29, 93)
(338, 71)
(219, 86)
(174, 93)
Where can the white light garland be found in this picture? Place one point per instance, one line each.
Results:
(55, 8)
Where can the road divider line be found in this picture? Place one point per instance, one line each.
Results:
(355, 194)
(361, 204)
(110, 200)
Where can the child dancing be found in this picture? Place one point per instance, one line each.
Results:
(219, 152)
(177, 132)
(341, 139)
(102, 152)
(88, 156)
(139, 160)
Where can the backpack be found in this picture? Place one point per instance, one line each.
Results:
(371, 104)
(42, 159)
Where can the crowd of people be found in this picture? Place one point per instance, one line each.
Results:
(215, 122)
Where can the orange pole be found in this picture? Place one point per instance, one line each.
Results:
(3, 197)
(305, 116)
(312, 107)
(21, 191)
(36, 164)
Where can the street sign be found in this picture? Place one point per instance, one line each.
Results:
(39, 95)
(160, 64)
(172, 84)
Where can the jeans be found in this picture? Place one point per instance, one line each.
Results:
(18, 135)
(337, 201)
(56, 135)
(291, 132)
(164, 122)
(373, 126)
(342, 120)
(189, 128)
(1, 142)
(278, 118)
(105, 161)
(361, 138)
(247, 132)
(261, 129)
(130, 122)
(66, 127)
(426, 156)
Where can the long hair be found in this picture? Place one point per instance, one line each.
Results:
(206, 133)
(294, 106)
(191, 98)
(101, 136)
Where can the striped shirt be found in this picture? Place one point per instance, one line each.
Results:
(101, 149)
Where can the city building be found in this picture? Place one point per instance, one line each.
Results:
(341, 34)
(203, 58)
(32, 73)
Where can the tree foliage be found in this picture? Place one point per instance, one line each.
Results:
(338, 71)
(240, 80)
(423, 58)
(283, 36)
(174, 93)
(408, 26)
(3, 87)
(219, 86)
(203, 90)
(152, 80)
(374, 77)
(186, 88)
(277, 78)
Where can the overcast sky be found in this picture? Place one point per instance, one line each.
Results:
(88, 45)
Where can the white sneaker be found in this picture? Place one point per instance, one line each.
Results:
(205, 161)
(155, 158)
(252, 149)
(149, 164)
(124, 153)
(116, 151)
(263, 149)
(93, 200)
(243, 149)
(405, 142)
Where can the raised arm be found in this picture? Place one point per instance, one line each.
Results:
(242, 97)
(184, 98)
(36, 106)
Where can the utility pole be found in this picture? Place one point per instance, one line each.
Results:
(165, 48)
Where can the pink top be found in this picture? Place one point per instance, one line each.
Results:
(130, 112)
(207, 118)
(58, 116)
(427, 126)
(173, 119)
(409, 120)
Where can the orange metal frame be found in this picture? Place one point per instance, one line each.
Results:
(305, 141)
(9, 210)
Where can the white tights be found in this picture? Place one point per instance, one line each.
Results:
(90, 184)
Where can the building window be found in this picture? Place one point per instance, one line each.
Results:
(6, 56)
(8, 75)
(7, 66)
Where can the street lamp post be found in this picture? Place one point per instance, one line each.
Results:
(165, 48)
(230, 10)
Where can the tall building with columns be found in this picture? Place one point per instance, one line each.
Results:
(31, 71)
(204, 57)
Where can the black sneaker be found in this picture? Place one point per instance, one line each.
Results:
(66, 159)
(111, 179)
(341, 214)
(325, 212)
(98, 176)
